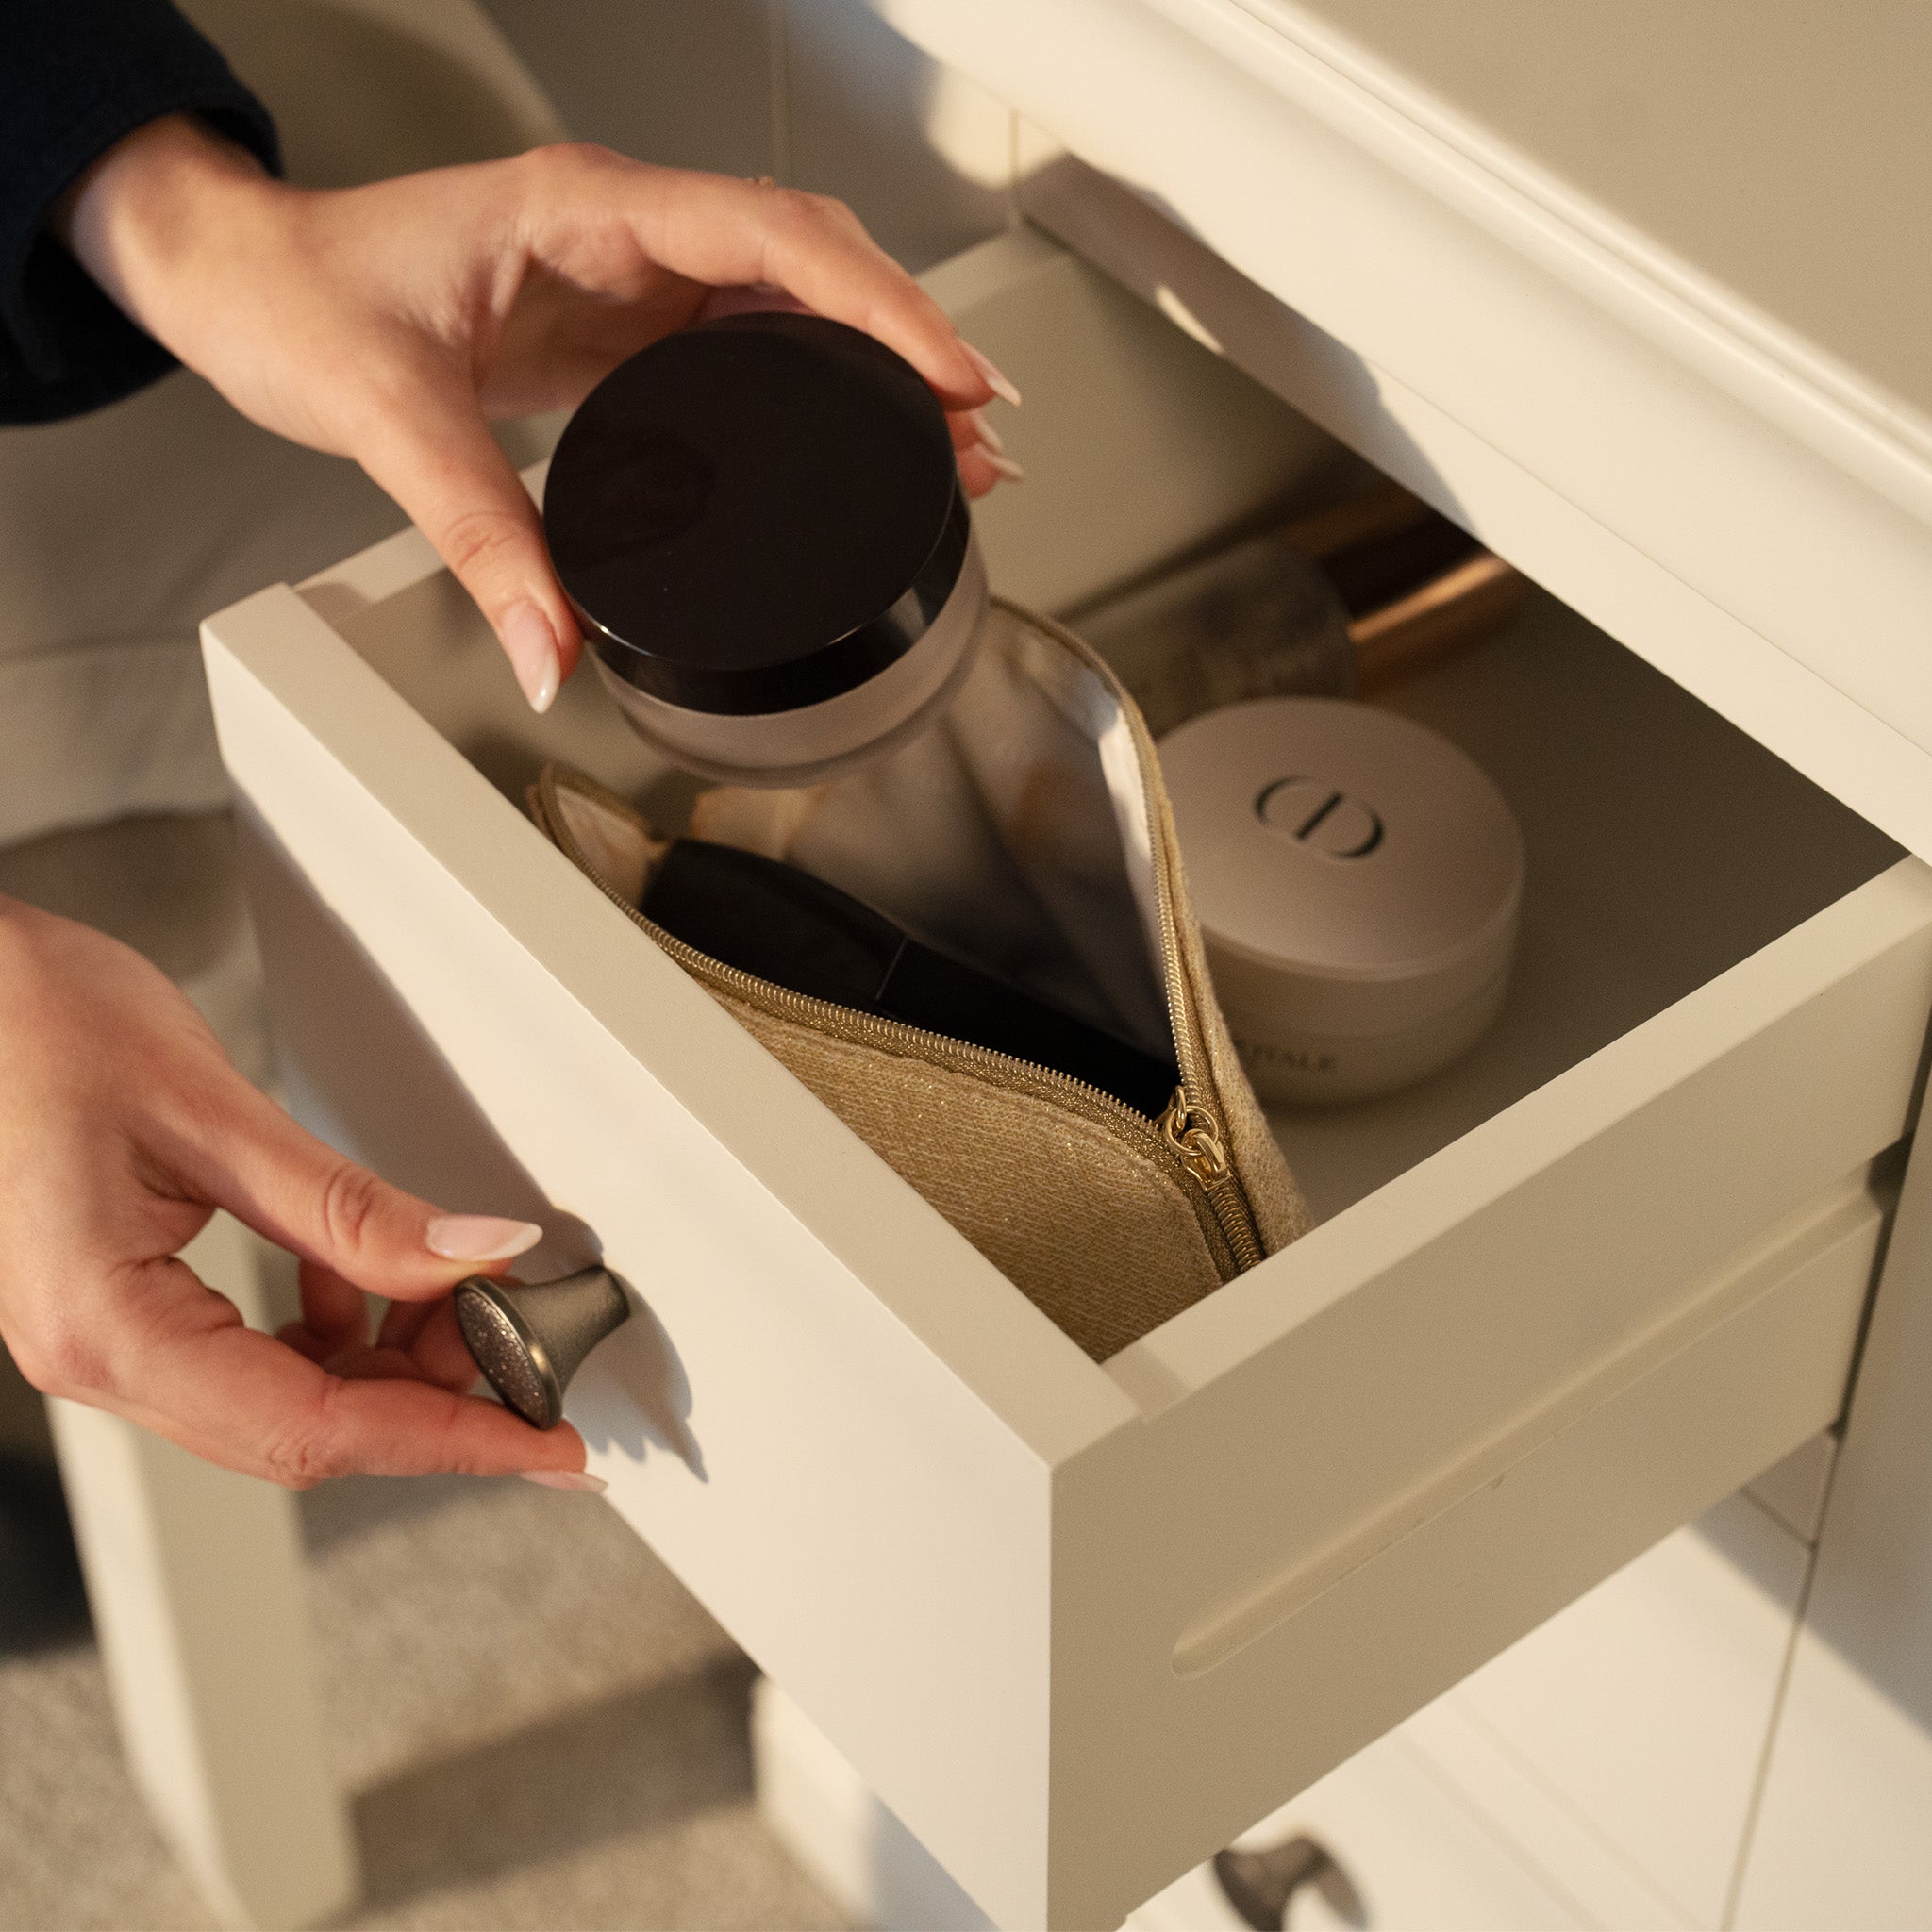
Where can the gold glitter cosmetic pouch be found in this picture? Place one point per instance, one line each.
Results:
(1027, 833)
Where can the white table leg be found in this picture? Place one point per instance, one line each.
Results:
(195, 1578)
(830, 1820)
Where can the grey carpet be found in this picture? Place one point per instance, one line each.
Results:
(540, 1728)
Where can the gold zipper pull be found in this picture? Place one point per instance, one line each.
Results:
(1194, 1135)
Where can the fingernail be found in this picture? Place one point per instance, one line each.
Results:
(1004, 466)
(566, 1479)
(532, 648)
(481, 1236)
(989, 437)
(995, 381)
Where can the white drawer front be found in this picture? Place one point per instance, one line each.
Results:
(1841, 1835)
(1622, 1745)
(1413, 1855)
(1077, 1625)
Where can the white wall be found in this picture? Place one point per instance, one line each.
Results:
(819, 93)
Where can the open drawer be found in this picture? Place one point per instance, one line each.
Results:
(1079, 1624)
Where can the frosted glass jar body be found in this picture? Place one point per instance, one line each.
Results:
(810, 743)
(760, 523)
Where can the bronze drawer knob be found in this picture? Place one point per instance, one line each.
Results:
(530, 1339)
(1261, 1886)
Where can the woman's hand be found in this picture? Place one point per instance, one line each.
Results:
(123, 1126)
(386, 323)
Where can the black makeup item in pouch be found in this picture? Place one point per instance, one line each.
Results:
(784, 926)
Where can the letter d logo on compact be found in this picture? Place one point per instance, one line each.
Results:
(1321, 817)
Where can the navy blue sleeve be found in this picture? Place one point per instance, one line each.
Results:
(74, 77)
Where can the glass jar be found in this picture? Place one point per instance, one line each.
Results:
(760, 523)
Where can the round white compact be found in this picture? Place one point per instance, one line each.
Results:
(1357, 880)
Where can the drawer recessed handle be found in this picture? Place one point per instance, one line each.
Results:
(1261, 1886)
(530, 1339)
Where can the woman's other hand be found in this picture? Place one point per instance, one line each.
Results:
(123, 1126)
(387, 322)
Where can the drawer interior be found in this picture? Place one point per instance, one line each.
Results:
(1664, 845)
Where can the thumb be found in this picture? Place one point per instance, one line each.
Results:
(300, 1193)
(434, 454)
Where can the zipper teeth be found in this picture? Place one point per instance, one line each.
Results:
(940, 1049)
(1190, 1048)
(916, 1042)
(1198, 1094)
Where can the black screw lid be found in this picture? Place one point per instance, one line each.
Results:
(756, 513)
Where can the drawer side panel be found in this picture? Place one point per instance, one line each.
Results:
(853, 1511)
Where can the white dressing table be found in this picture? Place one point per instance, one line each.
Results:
(1080, 1625)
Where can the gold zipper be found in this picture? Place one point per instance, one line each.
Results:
(1193, 1126)
(1187, 1138)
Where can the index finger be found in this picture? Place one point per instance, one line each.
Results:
(724, 232)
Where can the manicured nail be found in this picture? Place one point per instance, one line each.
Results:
(566, 1479)
(989, 437)
(481, 1236)
(1004, 466)
(532, 648)
(995, 381)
